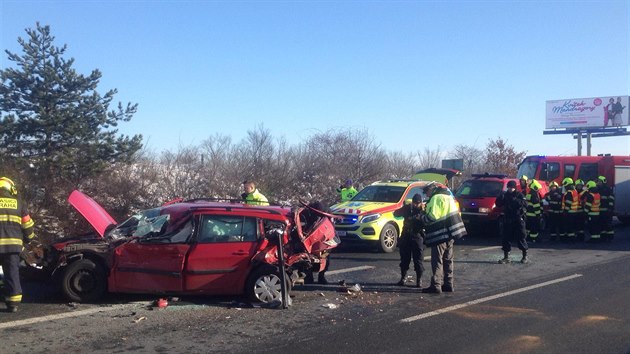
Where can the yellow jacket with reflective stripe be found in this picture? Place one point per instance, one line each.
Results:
(16, 225)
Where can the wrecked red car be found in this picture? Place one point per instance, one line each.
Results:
(196, 247)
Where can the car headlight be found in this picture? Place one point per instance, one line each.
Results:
(485, 210)
(370, 218)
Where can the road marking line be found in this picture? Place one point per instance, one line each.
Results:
(486, 299)
(346, 270)
(487, 248)
(60, 316)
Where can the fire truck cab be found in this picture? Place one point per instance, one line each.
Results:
(616, 169)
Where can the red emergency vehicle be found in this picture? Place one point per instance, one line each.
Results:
(616, 169)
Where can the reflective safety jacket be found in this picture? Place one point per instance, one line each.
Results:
(256, 198)
(592, 203)
(608, 198)
(554, 198)
(16, 225)
(571, 201)
(346, 193)
(533, 204)
(442, 219)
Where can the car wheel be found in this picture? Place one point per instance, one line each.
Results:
(84, 281)
(264, 285)
(388, 238)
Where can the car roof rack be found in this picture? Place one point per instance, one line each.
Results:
(486, 174)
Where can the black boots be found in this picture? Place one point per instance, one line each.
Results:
(506, 258)
(321, 278)
(525, 259)
(419, 280)
(403, 278)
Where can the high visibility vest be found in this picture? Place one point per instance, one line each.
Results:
(533, 204)
(347, 193)
(442, 220)
(554, 199)
(593, 204)
(256, 198)
(571, 201)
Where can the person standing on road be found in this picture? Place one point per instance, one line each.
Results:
(252, 195)
(533, 210)
(554, 198)
(346, 191)
(16, 229)
(580, 227)
(411, 241)
(443, 224)
(571, 209)
(608, 208)
(592, 207)
(514, 207)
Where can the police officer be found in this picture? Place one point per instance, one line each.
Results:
(346, 191)
(533, 210)
(514, 207)
(411, 241)
(554, 198)
(443, 224)
(16, 228)
(608, 208)
(570, 209)
(592, 207)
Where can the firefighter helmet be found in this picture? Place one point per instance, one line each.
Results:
(591, 184)
(567, 181)
(579, 182)
(602, 179)
(8, 184)
(553, 184)
(535, 185)
(524, 178)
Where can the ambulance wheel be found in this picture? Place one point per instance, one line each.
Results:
(388, 239)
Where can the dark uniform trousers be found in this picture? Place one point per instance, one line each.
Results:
(10, 266)
(514, 230)
(411, 247)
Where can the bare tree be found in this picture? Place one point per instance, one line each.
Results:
(473, 158)
(430, 157)
(501, 157)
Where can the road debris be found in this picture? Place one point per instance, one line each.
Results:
(139, 319)
(330, 306)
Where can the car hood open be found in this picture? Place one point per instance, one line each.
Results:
(91, 211)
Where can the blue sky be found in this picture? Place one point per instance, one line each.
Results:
(415, 74)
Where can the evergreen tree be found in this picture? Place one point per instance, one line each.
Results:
(53, 119)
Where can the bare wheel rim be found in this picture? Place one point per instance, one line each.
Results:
(268, 288)
(389, 239)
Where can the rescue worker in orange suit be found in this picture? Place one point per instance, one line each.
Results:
(514, 207)
(16, 229)
(592, 207)
(607, 209)
(533, 210)
(580, 230)
(411, 241)
(554, 199)
(571, 208)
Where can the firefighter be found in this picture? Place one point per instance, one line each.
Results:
(533, 210)
(523, 184)
(607, 209)
(16, 229)
(411, 241)
(252, 195)
(443, 224)
(514, 207)
(571, 208)
(554, 198)
(592, 207)
(346, 191)
(580, 228)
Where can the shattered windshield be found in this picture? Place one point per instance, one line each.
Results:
(146, 223)
(384, 194)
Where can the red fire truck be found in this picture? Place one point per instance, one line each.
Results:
(616, 169)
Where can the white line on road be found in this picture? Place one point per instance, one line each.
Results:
(346, 270)
(486, 299)
(60, 316)
(487, 248)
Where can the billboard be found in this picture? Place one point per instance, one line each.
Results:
(595, 112)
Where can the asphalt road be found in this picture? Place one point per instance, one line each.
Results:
(570, 298)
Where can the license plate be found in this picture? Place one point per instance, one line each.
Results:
(341, 233)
